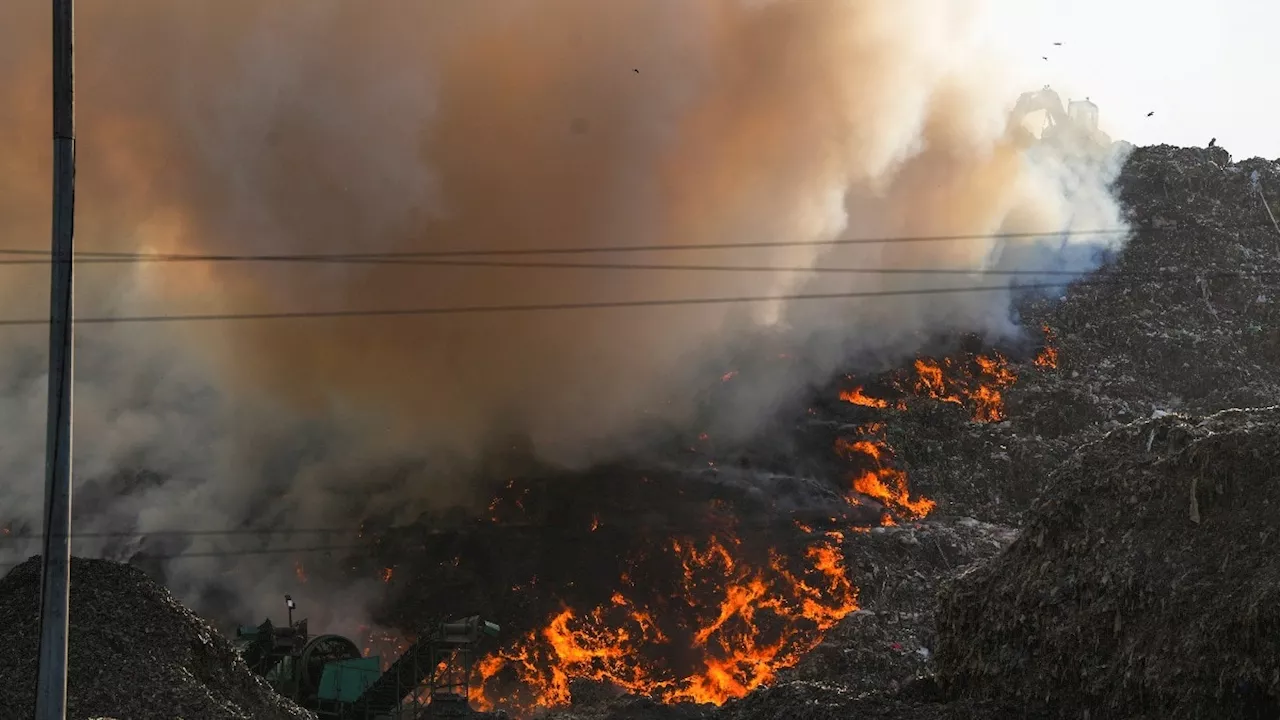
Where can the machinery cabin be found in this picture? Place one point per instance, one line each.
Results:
(1077, 121)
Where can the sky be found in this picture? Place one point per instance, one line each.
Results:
(1199, 65)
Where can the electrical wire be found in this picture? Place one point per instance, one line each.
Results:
(40, 256)
(558, 529)
(597, 305)
(666, 267)
(492, 252)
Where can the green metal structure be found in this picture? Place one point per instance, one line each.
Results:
(328, 675)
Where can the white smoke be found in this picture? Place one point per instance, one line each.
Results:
(301, 126)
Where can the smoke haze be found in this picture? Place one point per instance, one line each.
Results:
(329, 126)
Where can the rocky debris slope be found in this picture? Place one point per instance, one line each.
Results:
(135, 652)
(1180, 320)
(1145, 584)
(1186, 318)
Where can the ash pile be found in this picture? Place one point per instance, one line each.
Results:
(1145, 584)
(135, 653)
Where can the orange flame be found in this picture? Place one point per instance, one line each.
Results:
(857, 397)
(387, 573)
(882, 482)
(1048, 357)
(299, 571)
(761, 620)
(979, 390)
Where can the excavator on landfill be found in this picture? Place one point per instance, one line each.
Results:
(1074, 126)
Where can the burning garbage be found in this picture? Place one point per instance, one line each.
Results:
(733, 626)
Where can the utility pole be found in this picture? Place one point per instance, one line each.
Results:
(55, 591)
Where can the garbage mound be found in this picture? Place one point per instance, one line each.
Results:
(1184, 319)
(134, 652)
(1146, 583)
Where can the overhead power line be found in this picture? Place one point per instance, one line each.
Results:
(36, 256)
(129, 257)
(210, 533)
(666, 267)
(545, 307)
(1109, 279)
(414, 531)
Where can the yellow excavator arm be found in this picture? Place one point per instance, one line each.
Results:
(1078, 119)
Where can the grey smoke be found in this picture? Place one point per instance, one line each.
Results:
(304, 126)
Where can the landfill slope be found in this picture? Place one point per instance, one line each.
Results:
(135, 652)
(1145, 584)
(1186, 318)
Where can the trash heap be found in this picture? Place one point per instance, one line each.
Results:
(135, 652)
(1187, 317)
(1145, 584)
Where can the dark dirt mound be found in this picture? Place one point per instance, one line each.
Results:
(1145, 584)
(135, 652)
(797, 700)
(1187, 317)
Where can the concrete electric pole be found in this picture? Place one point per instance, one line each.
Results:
(55, 592)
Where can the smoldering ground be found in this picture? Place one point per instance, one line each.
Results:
(331, 126)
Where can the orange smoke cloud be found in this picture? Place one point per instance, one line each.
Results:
(301, 126)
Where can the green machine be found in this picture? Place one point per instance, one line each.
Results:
(328, 675)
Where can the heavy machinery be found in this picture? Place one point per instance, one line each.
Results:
(328, 674)
(1075, 126)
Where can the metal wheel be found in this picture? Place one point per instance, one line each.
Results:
(321, 650)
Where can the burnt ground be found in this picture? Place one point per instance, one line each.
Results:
(1183, 320)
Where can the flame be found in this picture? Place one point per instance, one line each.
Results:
(1047, 359)
(737, 619)
(882, 481)
(977, 386)
(387, 573)
(299, 571)
(729, 376)
(742, 622)
(857, 397)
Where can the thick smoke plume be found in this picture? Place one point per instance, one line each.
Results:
(327, 126)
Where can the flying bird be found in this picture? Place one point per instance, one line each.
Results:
(1153, 112)
(1058, 44)
(1042, 57)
